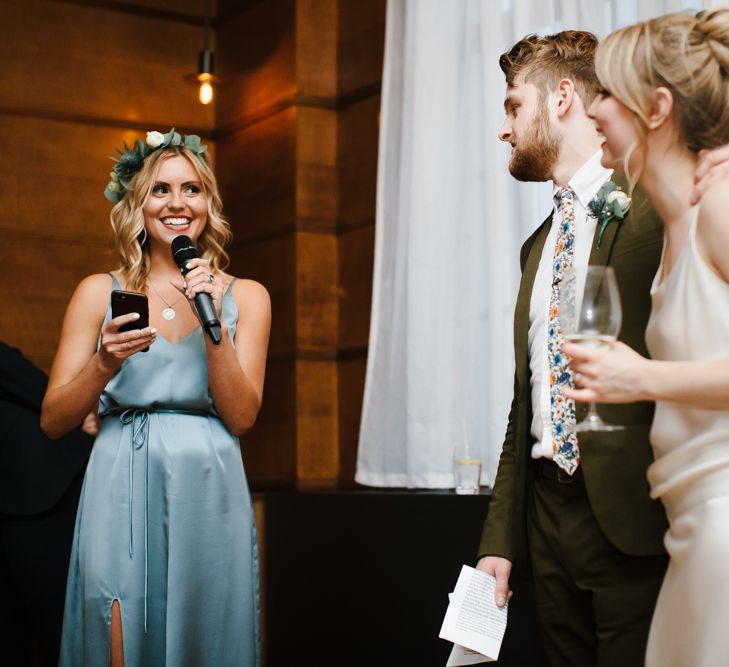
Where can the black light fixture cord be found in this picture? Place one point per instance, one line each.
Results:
(206, 33)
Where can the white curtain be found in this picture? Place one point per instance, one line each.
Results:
(450, 222)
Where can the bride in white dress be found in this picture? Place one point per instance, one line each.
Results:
(665, 99)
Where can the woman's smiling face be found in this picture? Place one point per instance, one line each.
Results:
(177, 203)
(617, 125)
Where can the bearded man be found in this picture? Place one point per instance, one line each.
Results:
(576, 507)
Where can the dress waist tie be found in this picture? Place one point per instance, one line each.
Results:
(138, 418)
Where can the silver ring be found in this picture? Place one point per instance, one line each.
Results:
(211, 277)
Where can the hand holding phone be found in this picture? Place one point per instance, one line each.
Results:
(123, 303)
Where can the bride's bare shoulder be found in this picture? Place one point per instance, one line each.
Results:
(712, 230)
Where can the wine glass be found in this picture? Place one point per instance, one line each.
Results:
(590, 315)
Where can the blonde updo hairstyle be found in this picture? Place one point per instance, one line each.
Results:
(688, 55)
(127, 219)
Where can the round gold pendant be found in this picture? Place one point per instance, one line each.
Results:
(168, 314)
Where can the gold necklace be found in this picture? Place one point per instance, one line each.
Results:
(169, 312)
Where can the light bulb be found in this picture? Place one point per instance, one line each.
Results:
(205, 94)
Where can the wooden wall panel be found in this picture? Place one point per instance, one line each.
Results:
(269, 452)
(316, 294)
(257, 126)
(44, 277)
(360, 44)
(317, 437)
(339, 63)
(257, 61)
(52, 178)
(272, 262)
(350, 390)
(356, 252)
(193, 10)
(316, 48)
(256, 171)
(316, 168)
(357, 141)
(92, 62)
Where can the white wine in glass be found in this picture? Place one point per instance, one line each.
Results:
(590, 315)
(594, 341)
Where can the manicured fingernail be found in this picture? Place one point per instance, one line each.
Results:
(154, 331)
(188, 265)
(184, 285)
(136, 316)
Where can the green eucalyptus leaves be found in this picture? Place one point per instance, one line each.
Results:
(130, 160)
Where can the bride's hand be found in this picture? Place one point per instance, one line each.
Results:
(612, 375)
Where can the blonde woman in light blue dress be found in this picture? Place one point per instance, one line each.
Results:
(164, 566)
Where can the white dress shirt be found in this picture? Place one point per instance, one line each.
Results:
(585, 183)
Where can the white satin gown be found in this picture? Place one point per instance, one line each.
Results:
(690, 321)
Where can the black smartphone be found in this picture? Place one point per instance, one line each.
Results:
(123, 302)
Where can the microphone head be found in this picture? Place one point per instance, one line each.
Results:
(183, 250)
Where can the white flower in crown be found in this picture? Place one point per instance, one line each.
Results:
(155, 139)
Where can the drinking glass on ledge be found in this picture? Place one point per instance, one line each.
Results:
(466, 469)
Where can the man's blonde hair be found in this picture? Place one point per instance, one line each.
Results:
(545, 61)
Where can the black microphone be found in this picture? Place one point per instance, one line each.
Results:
(183, 250)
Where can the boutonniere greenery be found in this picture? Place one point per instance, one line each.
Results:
(610, 203)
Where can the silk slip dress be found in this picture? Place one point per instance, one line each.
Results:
(690, 321)
(165, 523)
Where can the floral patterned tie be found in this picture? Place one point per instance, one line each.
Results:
(562, 409)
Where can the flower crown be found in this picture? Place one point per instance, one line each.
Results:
(130, 160)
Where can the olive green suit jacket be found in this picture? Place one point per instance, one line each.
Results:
(614, 464)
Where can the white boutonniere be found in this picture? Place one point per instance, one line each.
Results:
(610, 203)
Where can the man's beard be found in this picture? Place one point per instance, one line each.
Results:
(540, 151)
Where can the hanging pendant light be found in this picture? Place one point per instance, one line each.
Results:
(205, 76)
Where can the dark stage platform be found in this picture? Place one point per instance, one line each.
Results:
(361, 578)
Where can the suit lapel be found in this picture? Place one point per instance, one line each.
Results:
(601, 256)
(523, 300)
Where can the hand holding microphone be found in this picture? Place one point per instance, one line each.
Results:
(184, 252)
